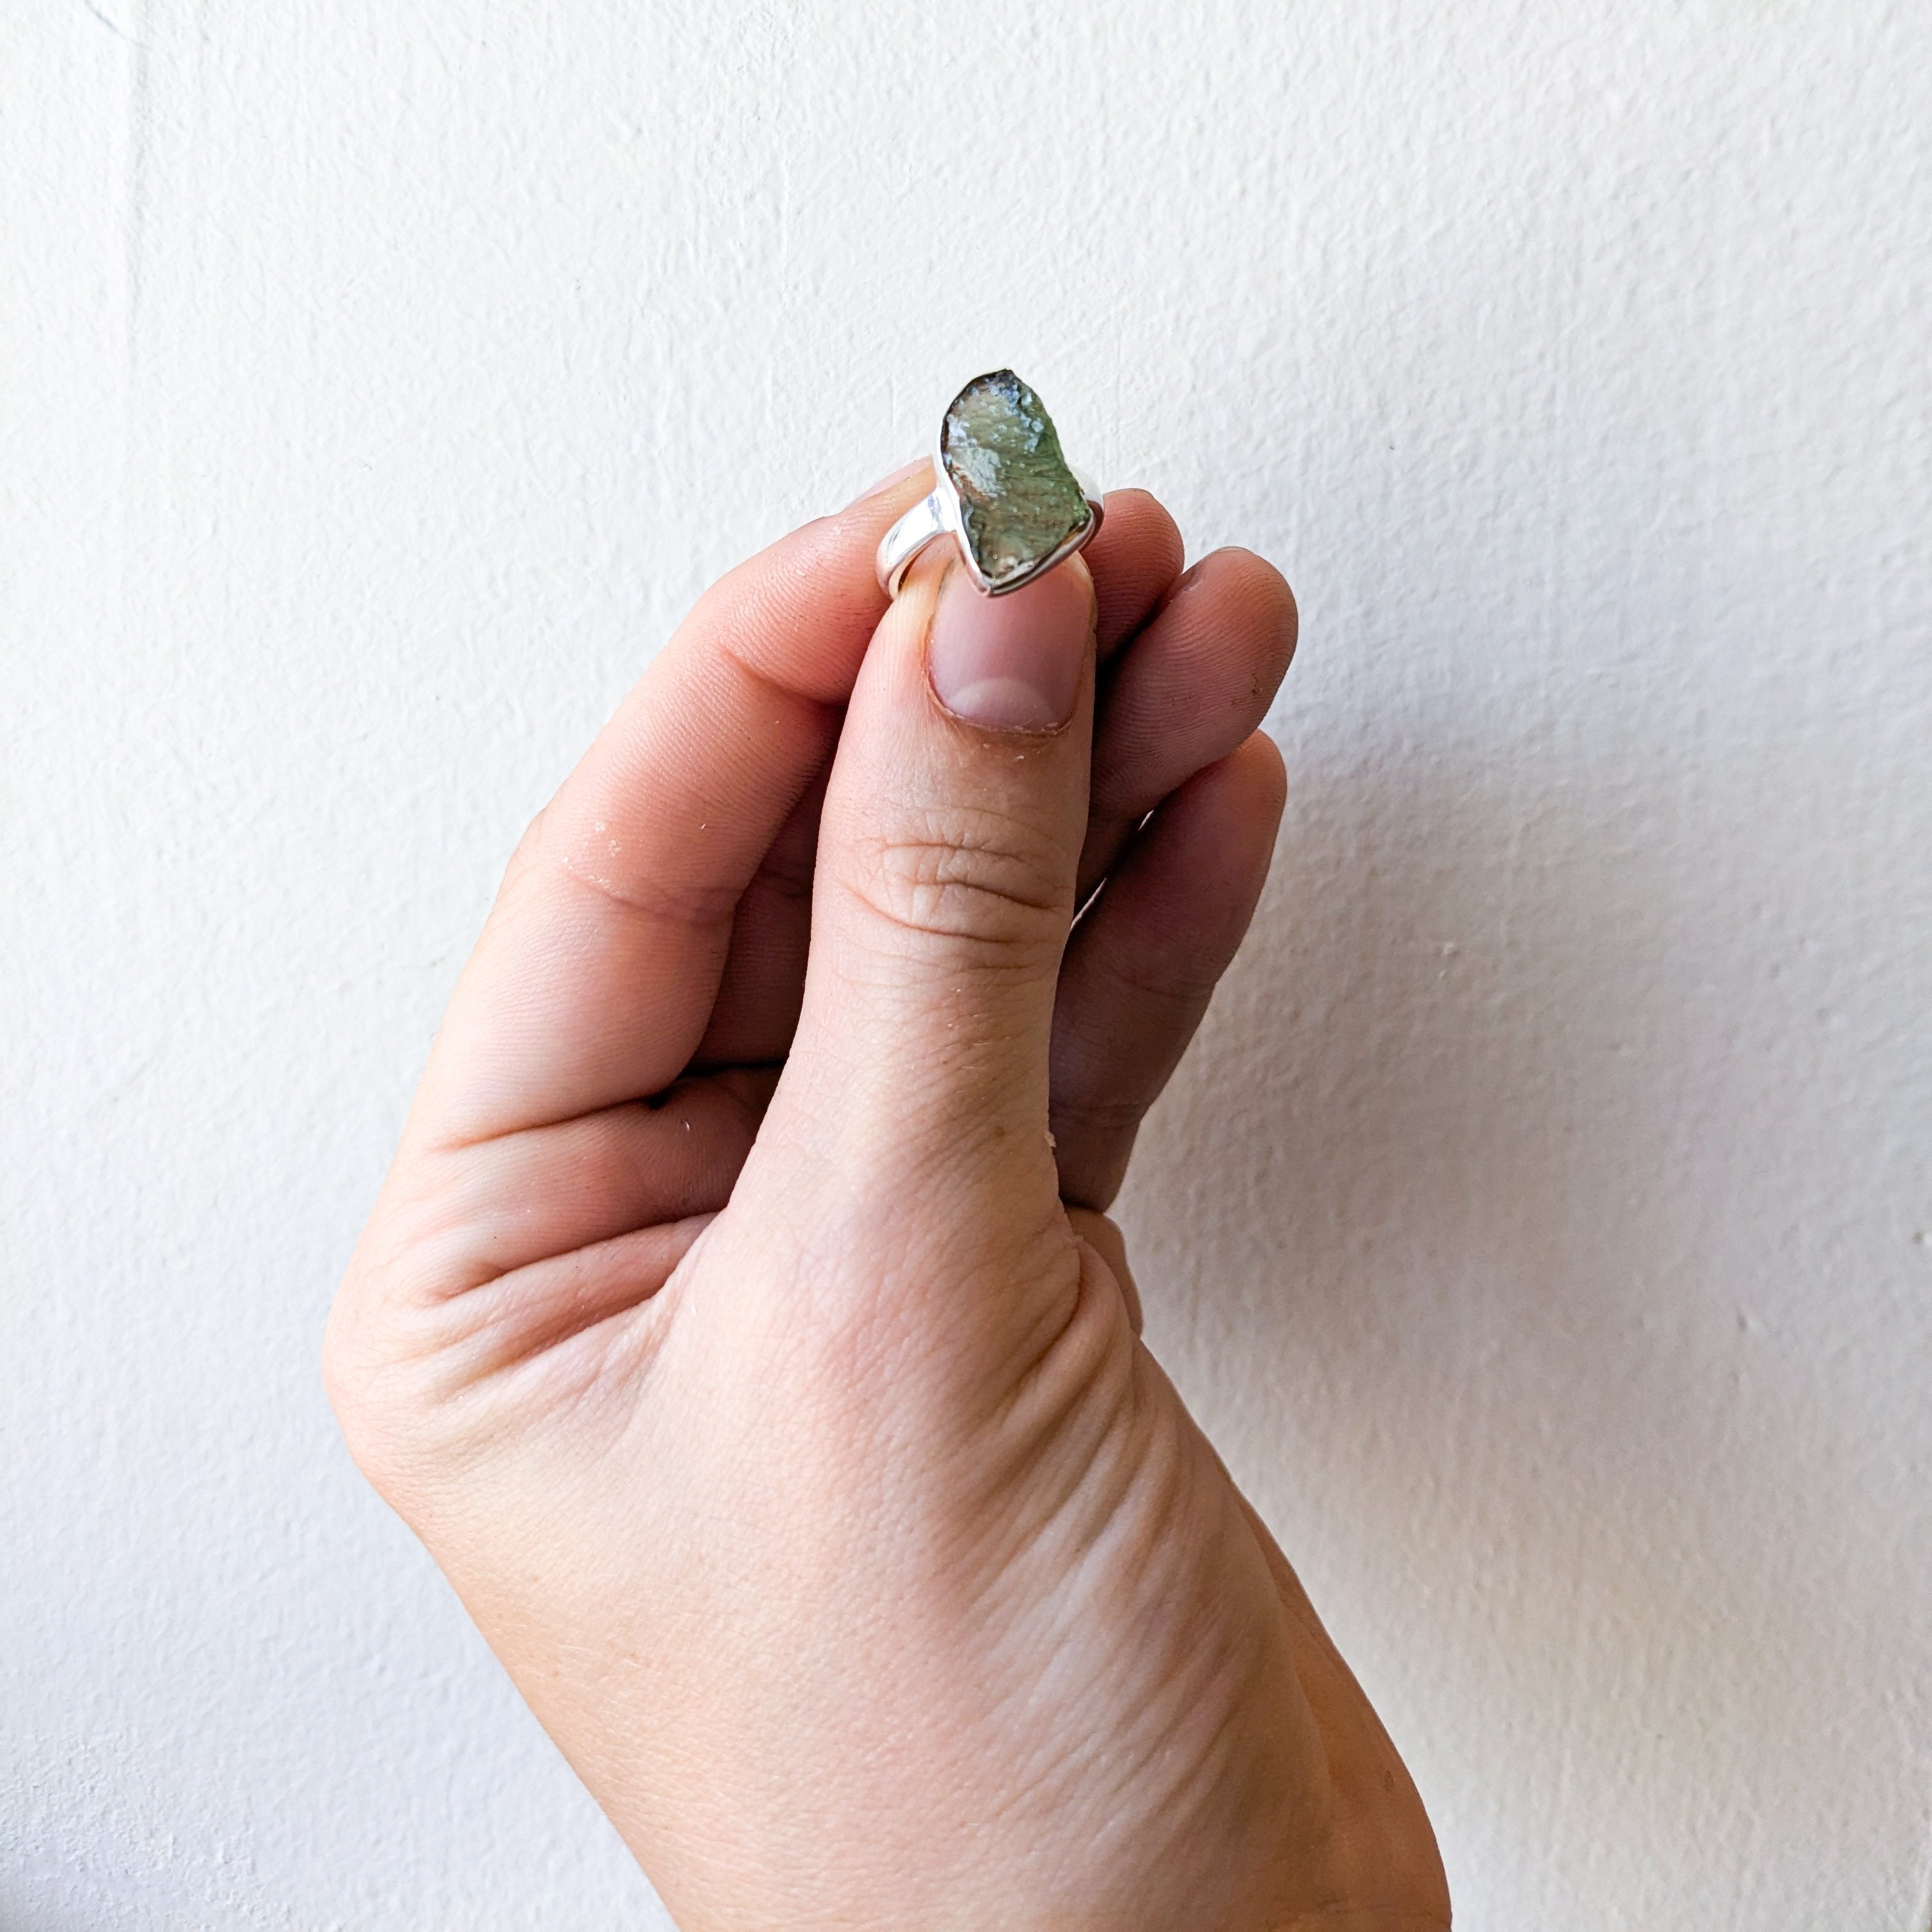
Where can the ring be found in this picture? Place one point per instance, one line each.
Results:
(1003, 492)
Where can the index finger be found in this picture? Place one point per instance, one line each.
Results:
(595, 971)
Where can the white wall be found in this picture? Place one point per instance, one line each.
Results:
(1542, 1229)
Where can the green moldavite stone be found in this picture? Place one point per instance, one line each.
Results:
(1019, 500)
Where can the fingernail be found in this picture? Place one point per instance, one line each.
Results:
(887, 481)
(1013, 662)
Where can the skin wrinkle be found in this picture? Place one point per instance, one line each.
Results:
(617, 1154)
(559, 1298)
(1094, 1557)
(703, 909)
(999, 901)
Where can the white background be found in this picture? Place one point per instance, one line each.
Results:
(1541, 1228)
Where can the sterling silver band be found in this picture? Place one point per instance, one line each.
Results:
(927, 518)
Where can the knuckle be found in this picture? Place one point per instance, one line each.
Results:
(384, 1367)
(971, 875)
(388, 1406)
(352, 1379)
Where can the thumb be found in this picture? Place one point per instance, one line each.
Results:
(948, 851)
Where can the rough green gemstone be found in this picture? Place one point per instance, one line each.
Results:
(1020, 501)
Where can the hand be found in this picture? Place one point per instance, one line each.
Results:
(739, 1327)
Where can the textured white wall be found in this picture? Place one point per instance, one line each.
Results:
(1542, 1229)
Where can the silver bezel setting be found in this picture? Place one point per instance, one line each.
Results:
(940, 513)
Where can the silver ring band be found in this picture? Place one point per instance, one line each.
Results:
(926, 519)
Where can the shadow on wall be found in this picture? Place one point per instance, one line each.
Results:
(1466, 1231)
